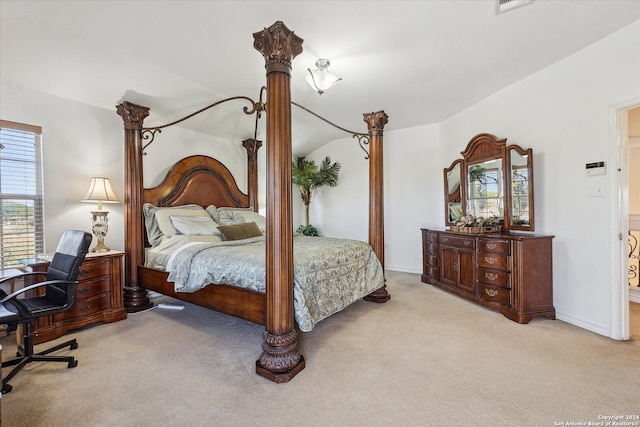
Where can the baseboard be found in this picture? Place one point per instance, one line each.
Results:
(581, 323)
(634, 294)
(402, 269)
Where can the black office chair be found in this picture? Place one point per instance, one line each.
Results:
(60, 287)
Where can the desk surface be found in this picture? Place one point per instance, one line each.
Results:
(10, 272)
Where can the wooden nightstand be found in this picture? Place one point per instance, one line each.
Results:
(99, 296)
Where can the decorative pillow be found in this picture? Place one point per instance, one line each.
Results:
(212, 210)
(240, 231)
(229, 217)
(157, 222)
(194, 225)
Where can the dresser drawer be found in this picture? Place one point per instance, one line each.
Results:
(94, 268)
(433, 261)
(493, 277)
(433, 273)
(494, 246)
(85, 307)
(432, 236)
(458, 242)
(494, 293)
(90, 288)
(498, 262)
(432, 248)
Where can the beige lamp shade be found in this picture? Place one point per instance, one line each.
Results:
(100, 191)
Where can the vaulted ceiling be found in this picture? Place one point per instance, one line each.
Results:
(420, 61)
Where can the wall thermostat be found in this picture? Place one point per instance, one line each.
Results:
(596, 168)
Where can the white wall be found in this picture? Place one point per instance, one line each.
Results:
(562, 113)
(412, 185)
(79, 142)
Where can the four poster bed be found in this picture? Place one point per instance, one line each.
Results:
(284, 292)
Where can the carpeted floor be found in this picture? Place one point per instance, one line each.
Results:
(425, 358)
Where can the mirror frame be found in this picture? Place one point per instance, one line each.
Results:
(484, 147)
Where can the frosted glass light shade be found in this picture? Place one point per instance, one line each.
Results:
(321, 79)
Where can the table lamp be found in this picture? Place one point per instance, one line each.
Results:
(100, 191)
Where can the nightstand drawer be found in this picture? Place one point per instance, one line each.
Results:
(92, 268)
(85, 308)
(92, 288)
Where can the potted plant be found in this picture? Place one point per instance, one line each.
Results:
(308, 177)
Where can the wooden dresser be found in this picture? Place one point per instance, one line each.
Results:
(99, 296)
(508, 272)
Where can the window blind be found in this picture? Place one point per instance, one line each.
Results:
(21, 193)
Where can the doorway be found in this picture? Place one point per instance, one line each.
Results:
(619, 227)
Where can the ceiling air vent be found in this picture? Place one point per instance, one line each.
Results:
(507, 5)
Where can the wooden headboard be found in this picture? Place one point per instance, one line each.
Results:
(200, 180)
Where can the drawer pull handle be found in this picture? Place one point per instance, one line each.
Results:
(467, 242)
(490, 292)
(490, 260)
(445, 239)
(491, 276)
(84, 272)
(84, 291)
(492, 245)
(456, 267)
(85, 308)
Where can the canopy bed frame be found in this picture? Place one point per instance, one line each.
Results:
(204, 181)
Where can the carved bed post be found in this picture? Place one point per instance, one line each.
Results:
(280, 360)
(375, 123)
(135, 296)
(252, 146)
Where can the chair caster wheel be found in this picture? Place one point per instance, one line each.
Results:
(6, 388)
(73, 364)
(73, 346)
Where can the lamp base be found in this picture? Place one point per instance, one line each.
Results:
(101, 247)
(100, 227)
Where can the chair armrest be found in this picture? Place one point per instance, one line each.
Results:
(22, 309)
(20, 276)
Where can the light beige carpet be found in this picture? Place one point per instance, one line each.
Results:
(425, 358)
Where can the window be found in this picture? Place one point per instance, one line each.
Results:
(21, 193)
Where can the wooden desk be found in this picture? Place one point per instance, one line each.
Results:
(10, 273)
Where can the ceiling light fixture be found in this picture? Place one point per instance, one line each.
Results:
(321, 79)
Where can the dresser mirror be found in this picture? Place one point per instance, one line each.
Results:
(521, 185)
(491, 181)
(453, 190)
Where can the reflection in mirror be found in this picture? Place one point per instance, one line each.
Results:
(520, 188)
(453, 182)
(484, 190)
